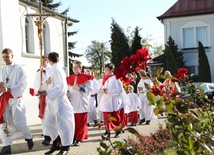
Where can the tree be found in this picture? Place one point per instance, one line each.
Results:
(49, 4)
(173, 59)
(157, 50)
(93, 55)
(204, 66)
(145, 42)
(136, 41)
(119, 44)
(169, 59)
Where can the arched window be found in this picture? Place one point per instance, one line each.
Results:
(46, 38)
(27, 35)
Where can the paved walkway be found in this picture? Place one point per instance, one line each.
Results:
(88, 147)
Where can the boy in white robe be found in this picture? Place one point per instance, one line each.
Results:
(92, 114)
(59, 115)
(45, 69)
(79, 91)
(13, 83)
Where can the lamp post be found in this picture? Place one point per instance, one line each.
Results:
(102, 54)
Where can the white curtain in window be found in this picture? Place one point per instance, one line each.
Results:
(188, 37)
(201, 35)
(26, 35)
(44, 39)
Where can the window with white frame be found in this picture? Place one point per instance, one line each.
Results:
(46, 37)
(192, 35)
(195, 31)
(27, 34)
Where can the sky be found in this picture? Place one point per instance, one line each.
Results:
(95, 18)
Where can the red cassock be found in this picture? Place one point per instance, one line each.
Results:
(81, 127)
(81, 79)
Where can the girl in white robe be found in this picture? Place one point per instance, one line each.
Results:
(146, 111)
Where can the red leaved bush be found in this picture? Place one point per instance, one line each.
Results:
(133, 63)
(153, 143)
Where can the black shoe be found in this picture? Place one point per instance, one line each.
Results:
(45, 142)
(147, 122)
(142, 121)
(62, 153)
(77, 143)
(5, 150)
(30, 143)
(117, 135)
(106, 135)
(53, 149)
(95, 122)
(133, 124)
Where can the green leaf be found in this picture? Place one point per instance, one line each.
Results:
(148, 87)
(190, 143)
(133, 131)
(169, 108)
(151, 97)
(159, 71)
(103, 145)
(118, 144)
(99, 149)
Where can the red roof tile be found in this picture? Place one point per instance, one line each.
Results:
(189, 8)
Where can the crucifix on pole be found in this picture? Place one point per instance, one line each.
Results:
(39, 23)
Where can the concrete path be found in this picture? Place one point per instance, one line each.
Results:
(88, 147)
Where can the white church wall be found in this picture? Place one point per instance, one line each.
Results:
(12, 35)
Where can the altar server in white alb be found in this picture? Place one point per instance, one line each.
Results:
(92, 114)
(111, 101)
(146, 111)
(42, 74)
(13, 83)
(79, 92)
(134, 107)
(100, 113)
(59, 115)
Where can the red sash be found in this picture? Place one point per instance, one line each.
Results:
(81, 79)
(31, 91)
(42, 105)
(3, 104)
(106, 78)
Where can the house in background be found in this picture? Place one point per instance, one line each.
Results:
(19, 33)
(187, 22)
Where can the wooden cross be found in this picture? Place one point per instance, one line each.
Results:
(39, 24)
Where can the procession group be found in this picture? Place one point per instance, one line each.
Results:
(67, 104)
